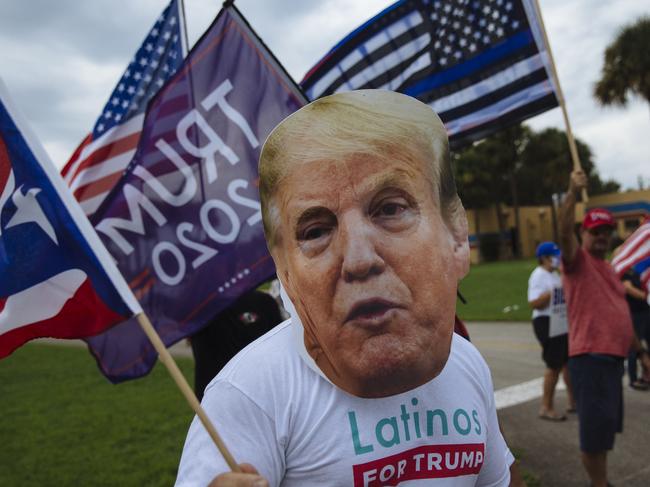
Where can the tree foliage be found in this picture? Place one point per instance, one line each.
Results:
(627, 65)
(483, 170)
(519, 166)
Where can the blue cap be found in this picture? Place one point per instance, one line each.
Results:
(547, 248)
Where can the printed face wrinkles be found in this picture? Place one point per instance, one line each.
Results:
(372, 269)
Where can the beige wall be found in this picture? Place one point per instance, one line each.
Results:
(536, 222)
(536, 226)
(619, 198)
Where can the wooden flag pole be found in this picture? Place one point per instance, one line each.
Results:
(569, 133)
(185, 388)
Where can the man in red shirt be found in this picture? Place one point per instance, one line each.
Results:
(600, 329)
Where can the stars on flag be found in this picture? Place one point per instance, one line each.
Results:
(460, 28)
(481, 66)
(152, 65)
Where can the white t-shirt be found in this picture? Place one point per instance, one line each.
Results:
(298, 429)
(542, 281)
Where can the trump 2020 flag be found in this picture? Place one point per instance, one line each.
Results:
(481, 65)
(56, 277)
(184, 222)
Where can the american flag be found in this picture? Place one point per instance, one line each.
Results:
(481, 65)
(104, 154)
(634, 254)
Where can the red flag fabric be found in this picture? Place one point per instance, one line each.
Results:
(635, 249)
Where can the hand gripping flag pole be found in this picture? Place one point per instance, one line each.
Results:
(49, 248)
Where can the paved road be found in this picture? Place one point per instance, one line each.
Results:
(551, 450)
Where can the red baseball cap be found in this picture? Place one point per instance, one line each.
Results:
(597, 217)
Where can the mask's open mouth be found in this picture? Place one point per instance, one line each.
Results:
(369, 309)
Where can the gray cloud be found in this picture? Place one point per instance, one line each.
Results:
(100, 29)
(62, 59)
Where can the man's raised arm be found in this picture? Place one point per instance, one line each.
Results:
(568, 240)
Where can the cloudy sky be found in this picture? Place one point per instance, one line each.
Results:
(61, 60)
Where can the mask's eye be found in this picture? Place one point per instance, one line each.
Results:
(394, 210)
(313, 233)
(313, 229)
(314, 238)
(390, 208)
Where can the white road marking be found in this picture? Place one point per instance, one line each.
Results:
(521, 393)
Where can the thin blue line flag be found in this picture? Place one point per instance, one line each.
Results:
(481, 65)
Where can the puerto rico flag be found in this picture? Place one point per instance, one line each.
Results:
(56, 277)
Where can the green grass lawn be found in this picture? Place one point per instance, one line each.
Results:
(63, 424)
(497, 291)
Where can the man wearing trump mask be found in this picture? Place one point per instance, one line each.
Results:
(366, 384)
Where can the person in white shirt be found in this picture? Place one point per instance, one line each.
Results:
(365, 384)
(546, 297)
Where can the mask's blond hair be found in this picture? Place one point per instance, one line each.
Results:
(375, 122)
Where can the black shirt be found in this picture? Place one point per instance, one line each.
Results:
(636, 305)
(213, 346)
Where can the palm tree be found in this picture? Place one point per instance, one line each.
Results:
(627, 65)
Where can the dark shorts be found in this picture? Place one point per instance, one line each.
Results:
(598, 389)
(555, 351)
